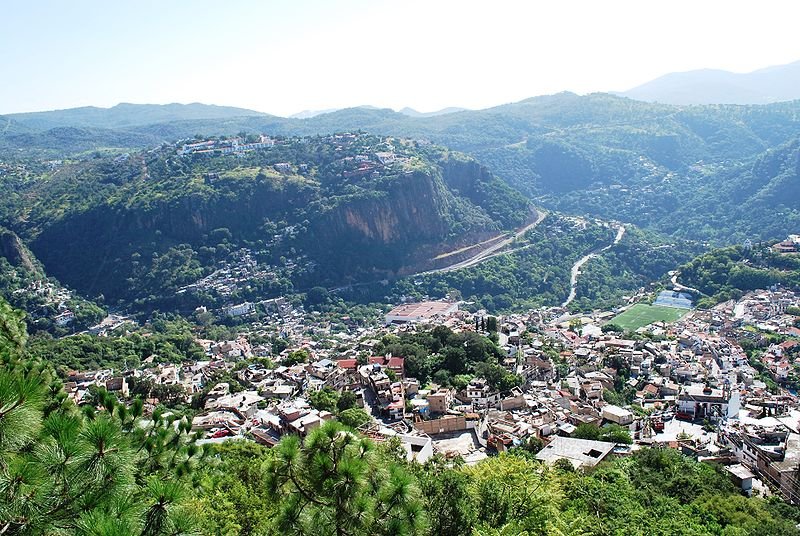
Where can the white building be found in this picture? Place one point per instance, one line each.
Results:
(698, 401)
(579, 452)
(616, 414)
(240, 309)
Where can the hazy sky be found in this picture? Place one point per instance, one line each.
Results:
(283, 57)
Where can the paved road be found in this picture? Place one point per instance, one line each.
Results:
(576, 268)
(680, 287)
(491, 251)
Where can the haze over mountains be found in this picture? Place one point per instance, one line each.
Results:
(126, 115)
(717, 173)
(704, 86)
(711, 86)
(650, 164)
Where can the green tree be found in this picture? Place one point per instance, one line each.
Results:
(354, 417)
(336, 484)
(347, 400)
(448, 500)
(231, 499)
(325, 399)
(103, 470)
(316, 297)
(295, 357)
(587, 431)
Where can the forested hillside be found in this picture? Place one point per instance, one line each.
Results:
(49, 306)
(302, 212)
(663, 167)
(727, 273)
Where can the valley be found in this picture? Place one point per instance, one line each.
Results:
(304, 279)
(399, 269)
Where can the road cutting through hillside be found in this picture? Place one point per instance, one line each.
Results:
(491, 251)
(576, 268)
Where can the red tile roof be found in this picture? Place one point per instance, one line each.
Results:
(347, 364)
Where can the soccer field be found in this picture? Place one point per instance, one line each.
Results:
(642, 314)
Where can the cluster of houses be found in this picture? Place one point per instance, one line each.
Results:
(52, 298)
(225, 146)
(240, 269)
(686, 385)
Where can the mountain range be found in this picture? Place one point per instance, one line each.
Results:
(110, 207)
(710, 86)
(125, 115)
(659, 166)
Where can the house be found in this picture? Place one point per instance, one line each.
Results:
(350, 365)
(240, 309)
(768, 449)
(697, 401)
(618, 415)
(592, 390)
(480, 394)
(790, 245)
(395, 364)
(118, 384)
(279, 390)
(64, 318)
(245, 402)
(513, 399)
(390, 395)
(308, 422)
(440, 401)
(742, 477)
(581, 453)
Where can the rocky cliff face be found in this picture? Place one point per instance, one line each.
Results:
(15, 252)
(414, 209)
(464, 175)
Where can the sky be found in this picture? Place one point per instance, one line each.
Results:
(288, 56)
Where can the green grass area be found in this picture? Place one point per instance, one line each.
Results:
(642, 314)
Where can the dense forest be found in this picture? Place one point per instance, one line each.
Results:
(727, 273)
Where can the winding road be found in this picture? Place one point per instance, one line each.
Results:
(681, 288)
(491, 251)
(485, 254)
(576, 268)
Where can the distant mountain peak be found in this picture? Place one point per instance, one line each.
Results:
(411, 112)
(126, 114)
(714, 86)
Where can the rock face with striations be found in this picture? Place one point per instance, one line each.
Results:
(413, 209)
(15, 252)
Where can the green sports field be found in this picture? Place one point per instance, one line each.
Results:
(642, 314)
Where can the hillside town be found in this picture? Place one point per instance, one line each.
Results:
(688, 385)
